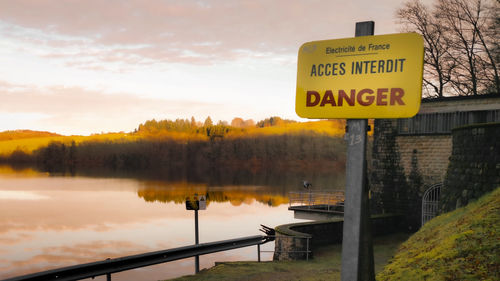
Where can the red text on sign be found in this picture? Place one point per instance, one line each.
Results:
(363, 97)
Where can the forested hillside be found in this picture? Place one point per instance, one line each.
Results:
(24, 134)
(273, 143)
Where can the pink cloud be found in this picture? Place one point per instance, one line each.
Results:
(60, 256)
(188, 31)
(77, 107)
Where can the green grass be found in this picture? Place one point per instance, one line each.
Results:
(460, 245)
(324, 266)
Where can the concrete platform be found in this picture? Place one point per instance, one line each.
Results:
(317, 212)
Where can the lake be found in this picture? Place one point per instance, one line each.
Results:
(54, 220)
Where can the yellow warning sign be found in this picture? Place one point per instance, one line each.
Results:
(362, 77)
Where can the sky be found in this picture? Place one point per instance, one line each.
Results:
(79, 67)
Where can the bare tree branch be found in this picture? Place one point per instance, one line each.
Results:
(461, 44)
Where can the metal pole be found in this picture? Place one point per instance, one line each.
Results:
(310, 198)
(196, 241)
(258, 252)
(307, 248)
(108, 277)
(357, 248)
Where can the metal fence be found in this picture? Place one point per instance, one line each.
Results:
(331, 198)
(430, 202)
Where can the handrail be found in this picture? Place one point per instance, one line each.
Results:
(328, 198)
(106, 267)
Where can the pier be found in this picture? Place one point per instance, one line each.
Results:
(317, 205)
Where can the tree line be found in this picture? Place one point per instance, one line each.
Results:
(306, 150)
(206, 128)
(263, 152)
(461, 43)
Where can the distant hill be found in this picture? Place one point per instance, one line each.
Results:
(25, 134)
(27, 140)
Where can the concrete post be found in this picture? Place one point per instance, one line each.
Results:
(357, 247)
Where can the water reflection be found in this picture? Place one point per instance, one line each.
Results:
(49, 221)
(235, 195)
(20, 195)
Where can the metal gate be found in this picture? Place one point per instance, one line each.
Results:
(430, 202)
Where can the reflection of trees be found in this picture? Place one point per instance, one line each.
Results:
(294, 152)
(236, 195)
(281, 161)
(17, 170)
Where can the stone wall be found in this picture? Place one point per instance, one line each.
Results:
(429, 155)
(389, 185)
(474, 165)
(293, 240)
(402, 164)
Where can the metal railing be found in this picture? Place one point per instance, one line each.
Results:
(328, 199)
(109, 266)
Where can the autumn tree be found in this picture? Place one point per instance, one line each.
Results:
(249, 123)
(193, 123)
(208, 122)
(237, 122)
(240, 123)
(273, 121)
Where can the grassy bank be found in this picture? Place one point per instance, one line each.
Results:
(324, 266)
(460, 245)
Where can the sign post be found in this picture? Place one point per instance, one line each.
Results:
(198, 203)
(196, 242)
(358, 78)
(357, 246)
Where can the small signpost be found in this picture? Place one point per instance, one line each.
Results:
(196, 203)
(358, 78)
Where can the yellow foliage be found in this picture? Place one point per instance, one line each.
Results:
(24, 134)
(179, 191)
(28, 145)
(8, 171)
(28, 141)
(327, 127)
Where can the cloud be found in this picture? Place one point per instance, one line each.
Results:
(26, 216)
(194, 32)
(61, 108)
(228, 56)
(60, 256)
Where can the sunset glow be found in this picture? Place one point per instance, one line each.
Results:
(83, 67)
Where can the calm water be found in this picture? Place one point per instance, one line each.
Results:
(49, 221)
